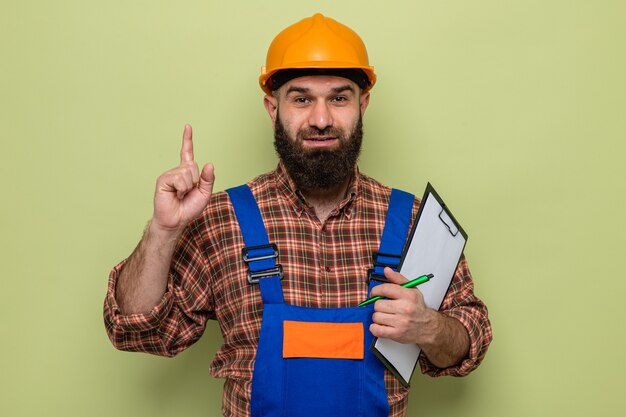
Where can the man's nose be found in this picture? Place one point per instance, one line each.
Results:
(321, 116)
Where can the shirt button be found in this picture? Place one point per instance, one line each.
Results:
(327, 269)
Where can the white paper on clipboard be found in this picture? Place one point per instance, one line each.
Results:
(435, 246)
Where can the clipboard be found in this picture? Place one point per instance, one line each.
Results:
(434, 246)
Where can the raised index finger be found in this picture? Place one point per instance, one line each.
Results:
(186, 152)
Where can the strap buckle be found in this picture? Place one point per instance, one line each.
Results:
(255, 277)
(393, 264)
(259, 253)
(247, 257)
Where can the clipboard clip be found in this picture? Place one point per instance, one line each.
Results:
(448, 221)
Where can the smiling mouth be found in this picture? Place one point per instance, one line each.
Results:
(324, 139)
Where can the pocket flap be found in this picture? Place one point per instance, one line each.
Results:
(323, 340)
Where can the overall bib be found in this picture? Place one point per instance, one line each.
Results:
(315, 362)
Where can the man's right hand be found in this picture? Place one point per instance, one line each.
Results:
(182, 193)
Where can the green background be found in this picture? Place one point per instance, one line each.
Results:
(514, 110)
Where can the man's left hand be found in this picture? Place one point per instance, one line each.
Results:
(402, 316)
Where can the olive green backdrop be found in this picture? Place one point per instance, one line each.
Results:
(514, 110)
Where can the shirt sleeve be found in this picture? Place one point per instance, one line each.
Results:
(179, 319)
(461, 303)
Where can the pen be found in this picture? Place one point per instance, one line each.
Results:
(410, 284)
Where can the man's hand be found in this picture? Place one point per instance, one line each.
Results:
(404, 317)
(182, 193)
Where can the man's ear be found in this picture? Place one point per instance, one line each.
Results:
(364, 100)
(271, 106)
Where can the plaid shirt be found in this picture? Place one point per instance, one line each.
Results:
(325, 266)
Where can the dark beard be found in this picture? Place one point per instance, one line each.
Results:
(313, 169)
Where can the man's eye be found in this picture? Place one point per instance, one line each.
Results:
(300, 100)
(340, 99)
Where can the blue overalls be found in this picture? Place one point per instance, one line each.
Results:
(315, 362)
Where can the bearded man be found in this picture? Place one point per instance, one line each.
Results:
(282, 261)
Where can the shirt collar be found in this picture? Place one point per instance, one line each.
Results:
(288, 189)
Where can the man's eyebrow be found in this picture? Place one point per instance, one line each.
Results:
(343, 88)
(305, 90)
(296, 89)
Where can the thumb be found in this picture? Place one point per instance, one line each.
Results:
(207, 178)
(394, 277)
(390, 290)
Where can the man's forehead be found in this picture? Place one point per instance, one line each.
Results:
(319, 83)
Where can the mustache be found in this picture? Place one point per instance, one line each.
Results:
(315, 131)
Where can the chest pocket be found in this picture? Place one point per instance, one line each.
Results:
(303, 339)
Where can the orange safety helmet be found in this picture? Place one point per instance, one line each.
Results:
(316, 42)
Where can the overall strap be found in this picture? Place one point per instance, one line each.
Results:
(394, 235)
(258, 253)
